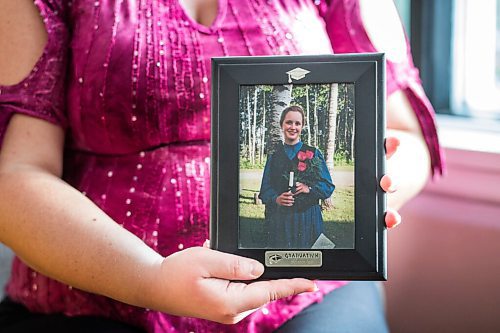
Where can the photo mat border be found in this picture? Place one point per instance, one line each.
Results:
(261, 107)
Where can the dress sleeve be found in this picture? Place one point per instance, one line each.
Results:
(348, 34)
(41, 94)
(324, 188)
(267, 194)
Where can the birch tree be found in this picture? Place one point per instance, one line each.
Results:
(281, 98)
(331, 134)
(263, 126)
(307, 124)
(332, 126)
(315, 115)
(247, 129)
(254, 127)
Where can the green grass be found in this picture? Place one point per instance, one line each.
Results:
(343, 202)
(336, 167)
(342, 212)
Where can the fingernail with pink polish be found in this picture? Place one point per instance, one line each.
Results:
(393, 188)
(394, 223)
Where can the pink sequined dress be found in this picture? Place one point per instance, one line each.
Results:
(130, 82)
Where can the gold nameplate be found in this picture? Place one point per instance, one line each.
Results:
(294, 258)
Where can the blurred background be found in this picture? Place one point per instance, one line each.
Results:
(444, 260)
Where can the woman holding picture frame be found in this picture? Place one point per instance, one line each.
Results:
(295, 179)
(103, 107)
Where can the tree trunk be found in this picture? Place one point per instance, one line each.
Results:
(352, 140)
(332, 127)
(352, 115)
(316, 117)
(263, 138)
(308, 127)
(243, 134)
(247, 129)
(346, 133)
(281, 98)
(331, 134)
(254, 126)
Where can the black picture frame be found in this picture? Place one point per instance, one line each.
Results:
(366, 260)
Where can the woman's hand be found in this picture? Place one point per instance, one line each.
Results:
(301, 188)
(392, 217)
(285, 199)
(200, 282)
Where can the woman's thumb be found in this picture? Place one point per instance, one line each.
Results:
(231, 267)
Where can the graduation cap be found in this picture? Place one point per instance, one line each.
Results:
(297, 74)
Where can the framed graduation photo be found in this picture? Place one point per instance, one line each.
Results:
(297, 157)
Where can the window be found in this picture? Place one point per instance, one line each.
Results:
(456, 46)
(404, 10)
(476, 61)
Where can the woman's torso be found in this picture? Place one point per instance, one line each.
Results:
(138, 108)
(140, 70)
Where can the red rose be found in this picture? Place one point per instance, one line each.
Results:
(302, 156)
(309, 154)
(301, 166)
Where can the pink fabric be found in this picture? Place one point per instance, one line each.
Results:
(348, 35)
(130, 80)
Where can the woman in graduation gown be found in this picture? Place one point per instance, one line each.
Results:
(295, 179)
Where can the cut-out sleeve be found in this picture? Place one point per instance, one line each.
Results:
(41, 93)
(348, 34)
